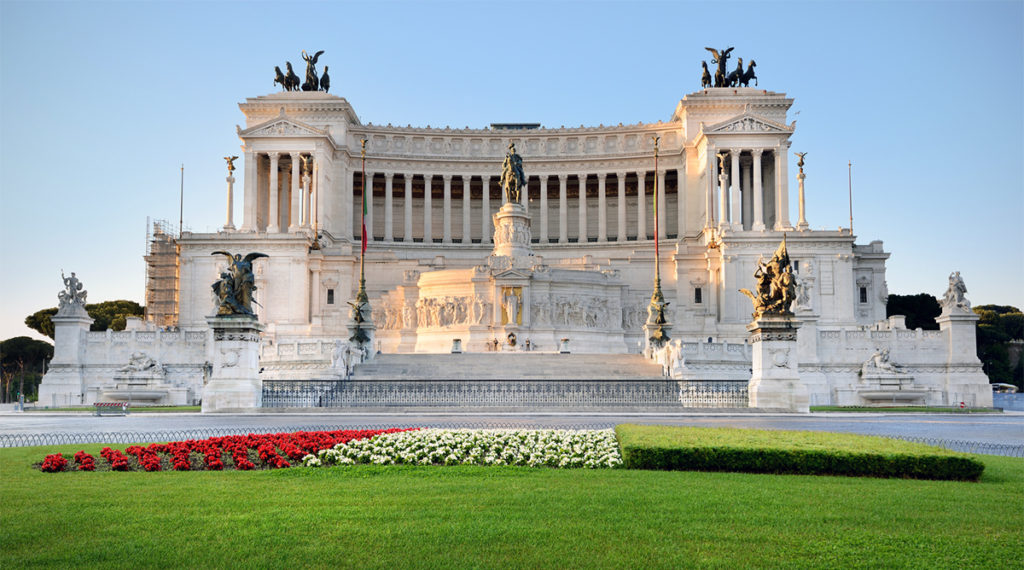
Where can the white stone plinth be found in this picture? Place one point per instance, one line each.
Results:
(235, 383)
(512, 231)
(775, 382)
(63, 383)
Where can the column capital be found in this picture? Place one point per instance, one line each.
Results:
(582, 176)
(602, 176)
(620, 175)
(273, 155)
(485, 178)
(389, 176)
(735, 151)
(427, 177)
(757, 152)
(447, 177)
(294, 155)
(563, 177)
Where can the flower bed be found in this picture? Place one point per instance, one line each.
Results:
(533, 448)
(243, 452)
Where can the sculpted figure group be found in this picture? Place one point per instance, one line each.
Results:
(736, 78)
(776, 285)
(73, 293)
(235, 287)
(290, 81)
(955, 298)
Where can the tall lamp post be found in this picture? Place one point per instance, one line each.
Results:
(657, 327)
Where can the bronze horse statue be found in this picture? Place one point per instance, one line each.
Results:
(745, 78)
(733, 79)
(720, 59)
(291, 81)
(705, 78)
(279, 78)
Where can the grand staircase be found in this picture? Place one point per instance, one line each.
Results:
(508, 366)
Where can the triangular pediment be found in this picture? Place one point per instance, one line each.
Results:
(282, 126)
(748, 124)
(512, 274)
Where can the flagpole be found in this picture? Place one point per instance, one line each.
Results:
(850, 181)
(181, 201)
(362, 256)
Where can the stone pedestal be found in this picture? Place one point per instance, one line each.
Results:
(775, 382)
(63, 383)
(511, 231)
(965, 380)
(235, 383)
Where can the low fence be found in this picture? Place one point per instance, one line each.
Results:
(127, 437)
(481, 394)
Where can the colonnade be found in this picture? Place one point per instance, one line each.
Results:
(746, 188)
(282, 199)
(478, 192)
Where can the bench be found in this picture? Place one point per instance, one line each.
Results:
(111, 408)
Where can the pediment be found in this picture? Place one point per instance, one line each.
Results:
(282, 126)
(512, 274)
(748, 124)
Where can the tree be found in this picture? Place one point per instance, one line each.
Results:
(998, 325)
(108, 314)
(920, 310)
(21, 366)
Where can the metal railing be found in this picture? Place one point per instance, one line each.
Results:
(487, 394)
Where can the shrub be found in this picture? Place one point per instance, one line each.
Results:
(792, 452)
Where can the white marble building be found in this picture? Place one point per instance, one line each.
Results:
(724, 199)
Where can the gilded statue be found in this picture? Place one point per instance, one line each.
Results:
(513, 180)
(776, 285)
(231, 163)
(235, 287)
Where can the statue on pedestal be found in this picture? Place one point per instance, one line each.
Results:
(73, 293)
(955, 298)
(513, 180)
(235, 286)
(776, 285)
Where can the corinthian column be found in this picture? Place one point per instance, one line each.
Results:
(583, 210)
(544, 208)
(446, 215)
(602, 209)
(641, 206)
(368, 189)
(272, 223)
(485, 214)
(661, 205)
(407, 236)
(466, 210)
(563, 210)
(428, 227)
(389, 203)
(758, 225)
(294, 219)
(736, 217)
(250, 199)
(723, 194)
(621, 177)
(230, 223)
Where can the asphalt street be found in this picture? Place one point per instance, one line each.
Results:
(1005, 428)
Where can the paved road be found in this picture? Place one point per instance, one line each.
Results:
(1005, 428)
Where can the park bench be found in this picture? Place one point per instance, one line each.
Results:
(111, 408)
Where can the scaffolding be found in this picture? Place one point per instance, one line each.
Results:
(162, 271)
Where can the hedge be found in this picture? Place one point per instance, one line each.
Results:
(790, 452)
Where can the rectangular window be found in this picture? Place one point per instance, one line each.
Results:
(698, 296)
(330, 296)
(863, 294)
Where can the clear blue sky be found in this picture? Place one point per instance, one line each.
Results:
(101, 102)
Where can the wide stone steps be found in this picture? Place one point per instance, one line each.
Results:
(508, 366)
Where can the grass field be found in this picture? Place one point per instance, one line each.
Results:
(401, 517)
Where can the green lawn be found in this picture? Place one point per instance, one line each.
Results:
(400, 517)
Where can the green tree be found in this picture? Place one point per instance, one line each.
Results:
(21, 366)
(920, 310)
(108, 314)
(997, 326)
